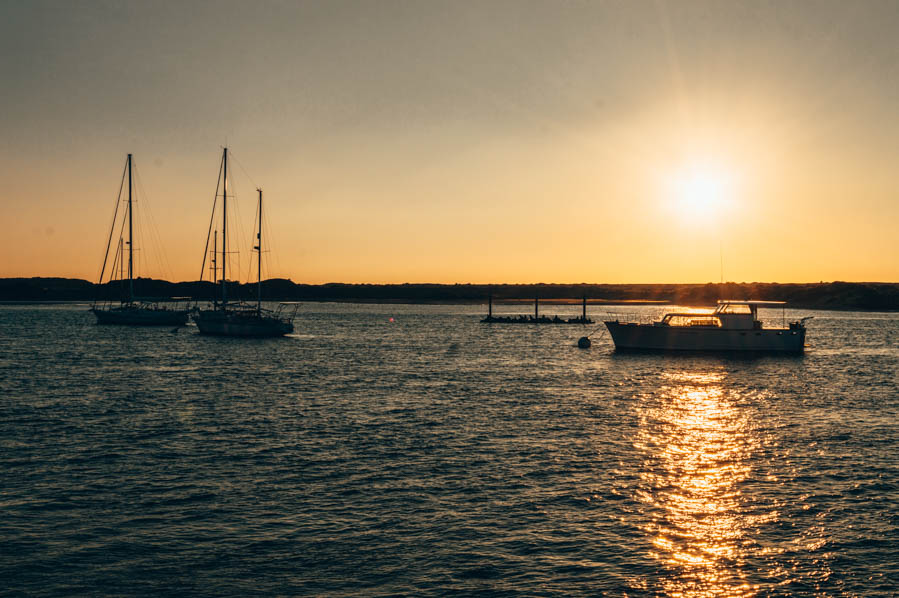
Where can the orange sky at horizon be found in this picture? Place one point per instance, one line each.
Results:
(483, 143)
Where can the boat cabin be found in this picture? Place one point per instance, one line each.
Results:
(730, 314)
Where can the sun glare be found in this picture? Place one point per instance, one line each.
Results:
(701, 193)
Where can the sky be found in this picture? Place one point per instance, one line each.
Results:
(481, 142)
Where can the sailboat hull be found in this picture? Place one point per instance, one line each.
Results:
(141, 316)
(242, 324)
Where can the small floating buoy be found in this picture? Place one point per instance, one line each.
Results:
(583, 342)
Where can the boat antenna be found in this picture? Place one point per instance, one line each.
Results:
(721, 256)
(130, 239)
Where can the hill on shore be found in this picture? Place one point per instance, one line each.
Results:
(874, 296)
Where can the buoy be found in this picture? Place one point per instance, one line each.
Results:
(583, 342)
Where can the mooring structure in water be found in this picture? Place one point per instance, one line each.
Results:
(536, 318)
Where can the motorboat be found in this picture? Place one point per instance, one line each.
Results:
(734, 325)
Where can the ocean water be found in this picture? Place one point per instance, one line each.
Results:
(433, 455)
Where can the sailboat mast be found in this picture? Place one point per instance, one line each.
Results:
(224, 224)
(259, 249)
(130, 239)
(215, 268)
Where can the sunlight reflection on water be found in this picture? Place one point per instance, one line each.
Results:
(698, 446)
(439, 455)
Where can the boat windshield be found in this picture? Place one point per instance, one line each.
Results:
(735, 308)
(691, 320)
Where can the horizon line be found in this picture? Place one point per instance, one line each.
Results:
(582, 283)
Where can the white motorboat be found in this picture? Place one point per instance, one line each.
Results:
(732, 326)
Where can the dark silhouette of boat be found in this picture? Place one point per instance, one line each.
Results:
(524, 319)
(131, 310)
(733, 326)
(230, 318)
(141, 313)
(536, 318)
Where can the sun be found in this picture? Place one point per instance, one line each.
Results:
(701, 193)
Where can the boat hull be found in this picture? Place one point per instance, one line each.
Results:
(139, 316)
(649, 337)
(217, 323)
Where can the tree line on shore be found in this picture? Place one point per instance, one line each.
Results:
(875, 296)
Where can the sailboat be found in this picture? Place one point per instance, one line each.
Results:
(131, 310)
(235, 318)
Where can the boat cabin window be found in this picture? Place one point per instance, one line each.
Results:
(735, 309)
(691, 320)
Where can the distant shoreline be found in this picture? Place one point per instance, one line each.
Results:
(855, 296)
(506, 302)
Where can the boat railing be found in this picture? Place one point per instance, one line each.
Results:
(145, 303)
(164, 303)
(628, 318)
(287, 310)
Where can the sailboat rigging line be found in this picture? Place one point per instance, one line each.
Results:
(118, 267)
(160, 255)
(241, 238)
(211, 219)
(241, 232)
(142, 240)
(592, 332)
(121, 256)
(115, 261)
(137, 243)
(239, 163)
(272, 241)
(115, 215)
